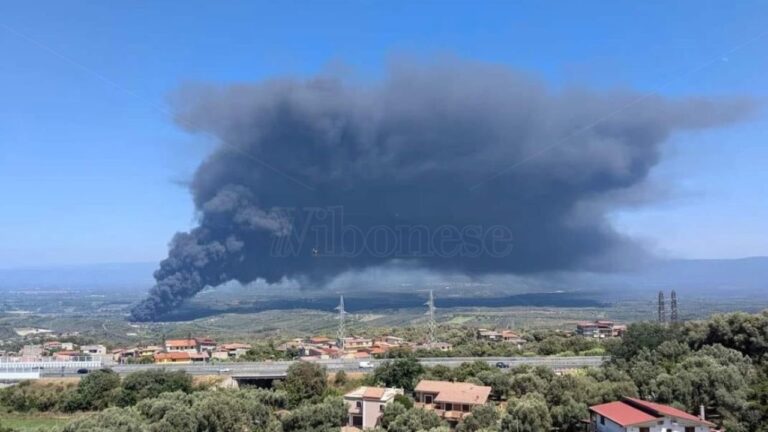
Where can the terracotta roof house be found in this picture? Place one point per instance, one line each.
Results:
(200, 357)
(352, 343)
(451, 400)
(181, 357)
(177, 345)
(635, 415)
(231, 350)
(365, 405)
(511, 337)
(149, 351)
(206, 344)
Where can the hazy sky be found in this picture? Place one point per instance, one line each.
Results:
(92, 168)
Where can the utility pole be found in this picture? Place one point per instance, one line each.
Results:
(432, 327)
(341, 333)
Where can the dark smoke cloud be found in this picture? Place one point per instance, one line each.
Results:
(429, 145)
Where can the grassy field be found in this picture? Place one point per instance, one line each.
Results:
(33, 422)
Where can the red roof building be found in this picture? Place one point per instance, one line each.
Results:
(635, 415)
(450, 400)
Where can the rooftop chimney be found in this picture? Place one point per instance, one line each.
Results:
(702, 413)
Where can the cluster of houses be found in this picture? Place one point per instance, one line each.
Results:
(183, 351)
(322, 347)
(56, 351)
(454, 401)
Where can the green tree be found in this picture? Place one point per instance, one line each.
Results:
(225, 411)
(527, 414)
(415, 419)
(400, 373)
(340, 378)
(141, 385)
(329, 415)
(109, 420)
(567, 415)
(305, 382)
(483, 417)
(95, 391)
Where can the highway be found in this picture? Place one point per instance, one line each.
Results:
(279, 368)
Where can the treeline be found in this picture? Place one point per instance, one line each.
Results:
(96, 391)
(544, 342)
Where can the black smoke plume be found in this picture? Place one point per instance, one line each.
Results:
(445, 144)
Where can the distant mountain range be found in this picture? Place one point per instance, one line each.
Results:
(713, 277)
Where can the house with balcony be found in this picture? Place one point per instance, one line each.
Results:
(365, 405)
(635, 415)
(600, 329)
(206, 344)
(181, 345)
(355, 343)
(452, 401)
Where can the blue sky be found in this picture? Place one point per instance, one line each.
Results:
(91, 165)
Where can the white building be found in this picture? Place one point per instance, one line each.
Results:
(635, 415)
(94, 349)
(365, 405)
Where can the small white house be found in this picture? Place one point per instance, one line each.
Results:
(94, 349)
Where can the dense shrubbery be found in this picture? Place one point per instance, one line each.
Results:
(142, 385)
(28, 397)
(96, 391)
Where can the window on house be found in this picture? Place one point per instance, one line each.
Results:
(645, 429)
(428, 399)
(359, 404)
(602, 420)
(690, 429)
(448, 407)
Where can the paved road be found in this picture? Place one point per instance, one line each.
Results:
(277, 369)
